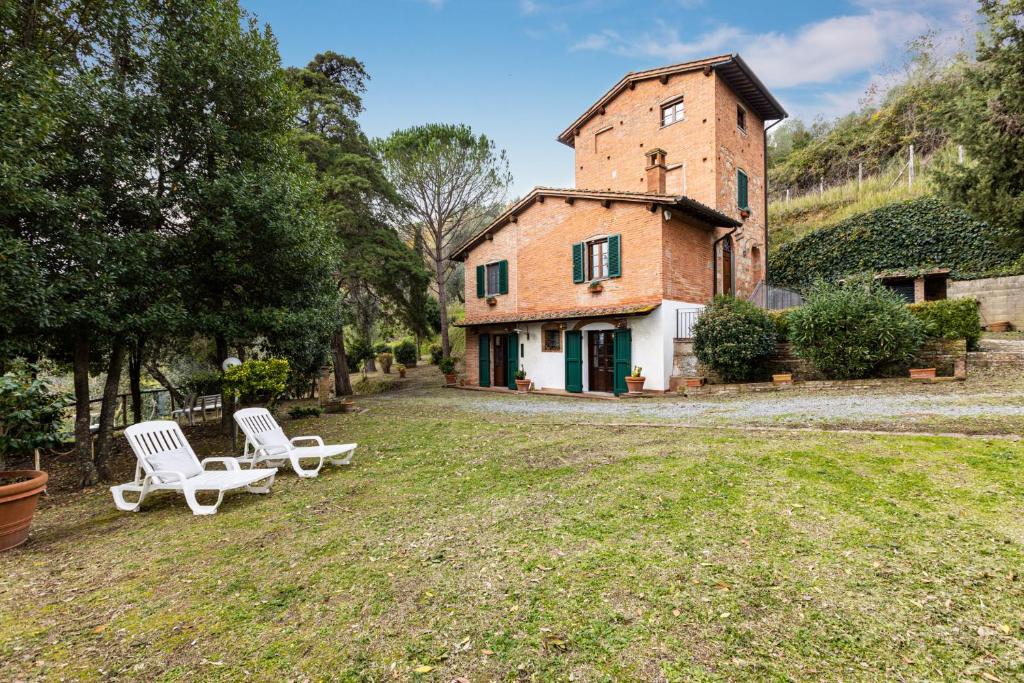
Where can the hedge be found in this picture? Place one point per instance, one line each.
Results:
(854, 329)
(734, 338)
(950, 319)
(907, 236)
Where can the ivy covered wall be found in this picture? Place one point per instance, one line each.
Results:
(915, 235)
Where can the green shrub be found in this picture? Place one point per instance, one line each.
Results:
(950, 319)
(734, 338)
(405, 352)
(356, 352)
(780, 319)
(31, 413)
(436, 353)
(305, 411)
(381, 347)
(203, 383)
(447, 365)
(906, 236)
(257, 381)
(854, 329)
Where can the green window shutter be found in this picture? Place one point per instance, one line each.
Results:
(577, 262)
(485, 360)
(480, 277)
(623, 356)
(574, 361)
(614, 256)
(512, 352)
(503, 277)
(741, 189)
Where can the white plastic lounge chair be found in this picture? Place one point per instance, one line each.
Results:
(265, 441)
(166, 462)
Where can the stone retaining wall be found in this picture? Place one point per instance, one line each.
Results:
(1000, 298)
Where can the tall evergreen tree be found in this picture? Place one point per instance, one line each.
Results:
(375, 271)
(988, 120)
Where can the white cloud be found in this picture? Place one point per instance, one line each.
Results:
(820, 52)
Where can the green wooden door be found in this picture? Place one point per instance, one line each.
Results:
(513, 359)
(574, 361)
(623, 359)
(485, 360)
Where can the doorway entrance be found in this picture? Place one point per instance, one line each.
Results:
(602, 360)
(500, 361)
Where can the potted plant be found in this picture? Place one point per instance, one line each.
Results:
(385, 359)
(447, 366)
(596, 287)
(522, 384)
(401, 369)
(492, 301)
(635, 381)
(31, 415)
(922, 373)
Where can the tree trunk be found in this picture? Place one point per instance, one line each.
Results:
(226, 401)
(83, 437)
(135, 378)
(442, 304)
(342, 382)
(160, 377)
(109, 408)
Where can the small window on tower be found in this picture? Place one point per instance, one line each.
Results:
(670, 113)
(741, 118)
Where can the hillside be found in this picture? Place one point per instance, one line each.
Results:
(789, 221)
(909, 235)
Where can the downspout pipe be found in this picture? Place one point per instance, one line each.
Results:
(765, 193)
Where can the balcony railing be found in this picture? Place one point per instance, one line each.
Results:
(685, 320)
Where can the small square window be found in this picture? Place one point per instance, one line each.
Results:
(493, 279)
(670, 113)
(552, 340)
(741, 118)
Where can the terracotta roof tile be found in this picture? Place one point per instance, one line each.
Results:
(565, 314)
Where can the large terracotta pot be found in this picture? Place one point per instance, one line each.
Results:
(450, 379)
(18, 504)
(635, 385)
(523, 385)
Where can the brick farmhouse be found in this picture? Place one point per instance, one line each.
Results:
(577, 286)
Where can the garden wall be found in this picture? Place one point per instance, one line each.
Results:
(1000, 298)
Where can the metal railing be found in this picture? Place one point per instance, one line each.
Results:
(686, 318)
(154, 404)
(773, 298)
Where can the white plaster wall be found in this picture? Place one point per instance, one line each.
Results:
(653, 349)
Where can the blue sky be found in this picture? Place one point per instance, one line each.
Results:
(521, 70)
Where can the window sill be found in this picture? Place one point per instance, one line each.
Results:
(666, 125)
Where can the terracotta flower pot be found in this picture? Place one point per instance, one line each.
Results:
(922, 373)
(401, 373)
(783, 378)
(635, 385)
(18, 503)
(596, 288)
(450, 379)
(523, 385)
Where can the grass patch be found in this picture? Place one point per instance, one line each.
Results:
(789, 221)
(482, 547)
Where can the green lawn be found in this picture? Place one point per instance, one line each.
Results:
(464, 546)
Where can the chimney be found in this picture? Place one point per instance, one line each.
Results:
(656, 171)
